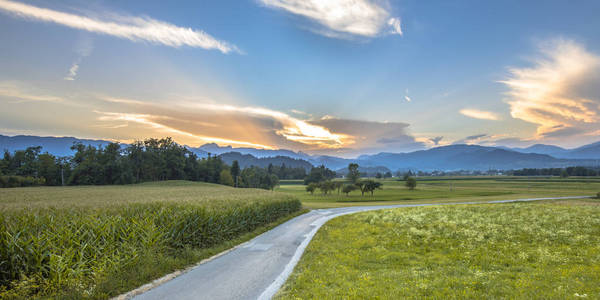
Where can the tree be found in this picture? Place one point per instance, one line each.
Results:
(326, 186)
(273, 181)
(368, 185)
(411, 183)
(387, 174)
(564, 173)
(311, 187)
(348, 188)
(319, 174)
(270, 168)
(235, 171)
(338, 185)
(225, 178)
(372, 185)
(353, 173)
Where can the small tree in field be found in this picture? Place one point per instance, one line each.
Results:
(348, 188)
(311, 187)
(411, 183)
(353, 173)
(338, 186)
(327, 186)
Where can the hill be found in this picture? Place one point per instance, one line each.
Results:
(247, 160)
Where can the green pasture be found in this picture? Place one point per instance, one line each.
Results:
(527, 250)
(449, 189)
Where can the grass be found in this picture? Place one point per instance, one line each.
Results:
(97, 242)
(541, 250)
(450, 189)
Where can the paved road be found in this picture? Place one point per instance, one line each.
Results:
(258, 268)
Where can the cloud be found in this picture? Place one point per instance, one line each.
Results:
(135, 29)
(479, 114)
(154, 121)
(560, 92)
(436, 140)
(472, 139)
(83, 49)
(20, 93)
(198, 123)
(343, 17)
(370, 136)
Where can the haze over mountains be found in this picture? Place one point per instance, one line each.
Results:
(453, 157)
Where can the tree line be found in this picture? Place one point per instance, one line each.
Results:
(562, 172)
(141, 161)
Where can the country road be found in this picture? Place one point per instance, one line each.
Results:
(258, 268)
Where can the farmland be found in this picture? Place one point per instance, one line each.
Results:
(450, 189)
(99, 241)
(543, 250)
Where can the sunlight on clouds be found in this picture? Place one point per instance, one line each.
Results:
(153, 121)
(19, 93)
(355, 17)
(480, 114)
(560, 93)
(293, 128)
(131, 28)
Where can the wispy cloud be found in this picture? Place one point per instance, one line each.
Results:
(226, 124)
(480, 114)
(132, 28)
(560, 93)
(365, 18)
(154, 122)
(19, 93)
(83, 49)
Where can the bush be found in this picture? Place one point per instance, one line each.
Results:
(411, 183)
(20, 181)
(598, 195)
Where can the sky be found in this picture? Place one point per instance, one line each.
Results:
(337, 77)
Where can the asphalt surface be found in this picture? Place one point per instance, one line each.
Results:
(259, 267)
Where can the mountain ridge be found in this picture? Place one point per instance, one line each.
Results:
(445, 158)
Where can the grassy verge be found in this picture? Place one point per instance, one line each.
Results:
(96, 242)
(546, 250)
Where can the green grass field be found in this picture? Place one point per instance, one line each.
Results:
(450, 189)
(542, 250)
(99, 241)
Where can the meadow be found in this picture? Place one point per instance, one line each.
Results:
(100, 241)
(526, 250)
(450, 189)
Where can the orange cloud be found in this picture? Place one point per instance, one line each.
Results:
(560, 92)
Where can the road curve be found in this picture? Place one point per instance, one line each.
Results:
(259, 267)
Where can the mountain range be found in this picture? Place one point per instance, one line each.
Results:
(453, 157)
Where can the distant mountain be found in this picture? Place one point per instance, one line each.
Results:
(542, 149)
(467, 157)
(590, 151)
(445, 158)
(247, 160)
(59, 146)
(218, 150)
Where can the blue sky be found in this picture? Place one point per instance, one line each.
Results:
(338, 77)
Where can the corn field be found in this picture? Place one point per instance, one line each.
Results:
(46, 250)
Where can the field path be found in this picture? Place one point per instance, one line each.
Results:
(259, 267)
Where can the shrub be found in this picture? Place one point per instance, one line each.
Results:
(20, 181)
(411, 183)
